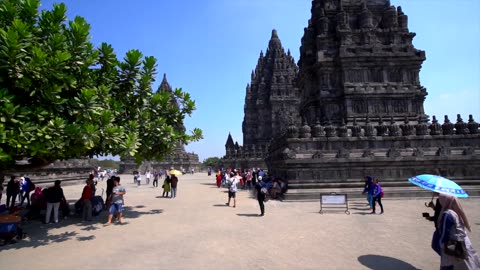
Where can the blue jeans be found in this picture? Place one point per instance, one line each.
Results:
(370, 199)
(174, 192)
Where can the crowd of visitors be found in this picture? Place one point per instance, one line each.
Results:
(263, 186)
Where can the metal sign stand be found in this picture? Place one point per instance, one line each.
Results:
(334, 202)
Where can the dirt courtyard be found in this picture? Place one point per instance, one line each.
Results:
(197, 230)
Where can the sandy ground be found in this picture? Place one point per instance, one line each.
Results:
(197, 231)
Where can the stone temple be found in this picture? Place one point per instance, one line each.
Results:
(179, 159)
(356, 109)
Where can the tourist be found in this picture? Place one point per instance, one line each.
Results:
(249, 179)
(22, 184)
(377, 196)
(368, 188)
(232, 189)
(117, 201)
(261, 193)
(53, 196)
(193, 171)
(166, 186)
(27, 188)
(147, 177)
(109, 190)
(456, 249)
(1, 190)
(219, 178)
(209, 171)
(87, 196)
(155, 179)
(173, 185)
(13, 189)
(139, 179)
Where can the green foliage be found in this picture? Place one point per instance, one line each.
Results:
(62, 98)
(211, 162)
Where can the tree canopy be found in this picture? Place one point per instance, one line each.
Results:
(61, 97)
(211, 162)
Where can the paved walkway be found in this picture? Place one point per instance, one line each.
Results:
(197, 231)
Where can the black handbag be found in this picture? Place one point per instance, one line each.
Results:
(457, 249)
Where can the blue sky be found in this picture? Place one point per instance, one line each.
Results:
(210, 47)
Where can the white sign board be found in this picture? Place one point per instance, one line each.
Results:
(334, 199)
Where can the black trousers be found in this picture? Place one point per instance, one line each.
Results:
(11, 197)
(379, 200)
(155, 182)
(262, 205)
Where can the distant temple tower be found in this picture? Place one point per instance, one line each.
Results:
(179, 159)
(271, 101)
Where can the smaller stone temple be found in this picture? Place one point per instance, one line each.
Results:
(179, 159)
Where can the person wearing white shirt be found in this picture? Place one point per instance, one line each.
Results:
(232, 189)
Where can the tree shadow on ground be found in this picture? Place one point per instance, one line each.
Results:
(40, 234)
(378, 262)
(248, 215)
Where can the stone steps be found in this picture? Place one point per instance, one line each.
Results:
(315, 184)
(312, 192)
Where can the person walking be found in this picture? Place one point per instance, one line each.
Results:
(166, 186)
(456, 250)
(139, 179)
(173, 184)
(232, 189)
(13, 189)
(54, 195)
(377, 196)
(87, 196)
(148, 175)
(368, 188)
(27, 188)
(117, 201)
(219, 178)
(155, 179)
(261, 193)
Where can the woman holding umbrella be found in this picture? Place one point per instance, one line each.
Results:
(456, 249)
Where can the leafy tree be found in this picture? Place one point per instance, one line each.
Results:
(211, 162)
(60, 97)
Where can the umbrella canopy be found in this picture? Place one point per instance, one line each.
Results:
(438, 184)
(175, 172)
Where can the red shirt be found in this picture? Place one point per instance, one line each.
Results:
(87, 193)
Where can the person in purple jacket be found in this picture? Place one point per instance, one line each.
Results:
(377, 196)
(368, 188)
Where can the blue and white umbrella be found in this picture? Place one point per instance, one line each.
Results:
(438, 184)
